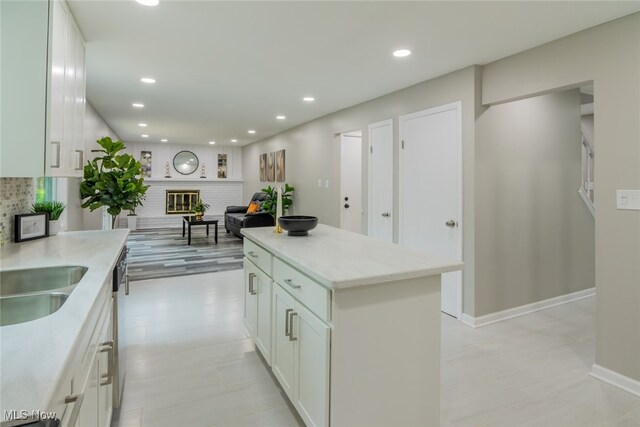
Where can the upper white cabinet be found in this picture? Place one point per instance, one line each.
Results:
(43, 90)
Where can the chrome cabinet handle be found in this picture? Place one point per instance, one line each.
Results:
(126, 284)
(107, 347)
(286, 323)
(252, 289)
(291, 285)
(252, 254)
(291, 337)
(56, 164)
(77, 399)
(451, 224)
(80, 159)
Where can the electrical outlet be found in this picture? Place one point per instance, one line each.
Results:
(628, 199)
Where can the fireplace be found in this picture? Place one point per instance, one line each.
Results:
(180, 201)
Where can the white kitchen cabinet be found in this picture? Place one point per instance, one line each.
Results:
(301, 357)
(257, 307)
(43, 83)
(355, 326)
(283, 347)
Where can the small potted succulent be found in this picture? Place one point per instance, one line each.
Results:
(54, 209)
(199, 208)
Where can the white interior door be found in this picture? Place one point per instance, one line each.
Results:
(351, 181)
(380, 149)
(431, 191)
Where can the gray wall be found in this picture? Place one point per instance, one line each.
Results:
(608, 55)
(534, 234)
(313, 152)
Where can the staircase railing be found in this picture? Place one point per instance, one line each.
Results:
(586, 188)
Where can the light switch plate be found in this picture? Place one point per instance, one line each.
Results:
(319, 183)
(628, 199)
(326, 183)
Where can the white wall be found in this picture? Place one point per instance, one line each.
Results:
(608, 55)
(534, 235)
(207, 155)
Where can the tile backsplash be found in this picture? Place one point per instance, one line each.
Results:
(16, 197)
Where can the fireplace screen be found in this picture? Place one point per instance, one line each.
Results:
(181, 201)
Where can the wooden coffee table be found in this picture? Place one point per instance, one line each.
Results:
(191, 220)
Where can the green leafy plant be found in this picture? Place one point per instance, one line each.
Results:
(270, 203)
(54, 209)
(113, 180)
(200, 207)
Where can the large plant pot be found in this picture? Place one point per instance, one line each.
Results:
(54, 227)
(132, 222)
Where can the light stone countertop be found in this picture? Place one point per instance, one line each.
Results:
(341, 259)
(33, 354)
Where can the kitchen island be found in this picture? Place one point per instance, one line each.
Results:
(350, 326)
(43, 361)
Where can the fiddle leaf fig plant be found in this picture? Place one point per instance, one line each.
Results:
(113, 180)
(270, 203)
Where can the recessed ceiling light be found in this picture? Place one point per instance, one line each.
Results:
(308, 99)
(144, 125)
(145, 136)
(163, 140)
(137, 105)
(234, 140)
(212, 142)
(281, 117)
(148, 2)
(401, 53)
(251, 131)
(147, 80)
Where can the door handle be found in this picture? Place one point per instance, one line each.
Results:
(451, 224)
(346, 205)
(76, 399)
(286, 322)
(291, 337)
(386, 214)
(56, 163)
(252, 289)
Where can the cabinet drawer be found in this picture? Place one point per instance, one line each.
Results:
(310, 293)
(258, 256)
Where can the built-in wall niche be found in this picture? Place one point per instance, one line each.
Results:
(223, 163)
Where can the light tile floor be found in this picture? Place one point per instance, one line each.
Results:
(190, 363)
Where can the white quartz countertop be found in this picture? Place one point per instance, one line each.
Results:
(341, 259)
(33, 354)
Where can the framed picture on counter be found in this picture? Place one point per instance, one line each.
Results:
(31, 226)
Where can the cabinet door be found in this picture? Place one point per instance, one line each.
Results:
(57, 96)
(250, 298)
(262, 285)
(69, 97)
(312, 339)
(282, 360)
(106, 372)
(88, 415)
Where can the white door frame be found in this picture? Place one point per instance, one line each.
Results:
(457, 105)
(388, 122)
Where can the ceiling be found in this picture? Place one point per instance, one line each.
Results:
(223, 68)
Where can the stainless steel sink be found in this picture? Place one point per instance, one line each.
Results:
(23, 308)
(27, 281)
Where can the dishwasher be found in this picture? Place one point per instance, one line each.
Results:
(120, 289)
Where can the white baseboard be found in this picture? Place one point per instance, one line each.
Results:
(615, 379)
(499, 316)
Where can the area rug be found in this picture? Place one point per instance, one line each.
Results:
(163, 252)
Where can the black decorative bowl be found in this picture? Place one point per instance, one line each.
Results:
(298, 225)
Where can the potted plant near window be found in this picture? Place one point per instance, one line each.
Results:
(199, 209)
(54, 209)
(113, 180)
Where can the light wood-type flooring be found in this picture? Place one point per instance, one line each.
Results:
(191, 364)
